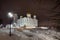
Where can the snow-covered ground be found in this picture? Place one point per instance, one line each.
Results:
(34, 34)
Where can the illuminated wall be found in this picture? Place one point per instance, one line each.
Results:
(27, 21)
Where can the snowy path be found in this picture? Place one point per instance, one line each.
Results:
(40, 35)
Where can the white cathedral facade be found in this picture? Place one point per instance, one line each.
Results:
(27, 21)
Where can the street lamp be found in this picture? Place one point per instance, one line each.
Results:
(10, 15)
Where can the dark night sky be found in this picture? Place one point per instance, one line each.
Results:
(46, 10)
